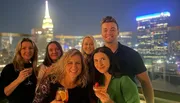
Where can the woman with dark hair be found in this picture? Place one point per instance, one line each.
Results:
(18, 78)
(53, 53)
(114, 87)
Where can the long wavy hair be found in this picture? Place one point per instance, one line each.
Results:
(47, 60)
(18, 60)
(58, 72)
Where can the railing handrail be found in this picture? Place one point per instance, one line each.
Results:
(159, 99)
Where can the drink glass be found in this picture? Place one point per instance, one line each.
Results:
(62, 94)
(28, 66)
(30, 72)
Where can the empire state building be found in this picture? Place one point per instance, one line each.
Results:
(47, 21)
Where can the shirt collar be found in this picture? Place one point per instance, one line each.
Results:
(118, 49)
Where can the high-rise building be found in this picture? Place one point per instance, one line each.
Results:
(152, 39)
(174, 40)
(47, 21)
(174, 48)
(152, 36)
(126, 38)
(45, 34)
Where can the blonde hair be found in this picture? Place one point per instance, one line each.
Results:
(18, 60)
(58, 69)
(94, 43)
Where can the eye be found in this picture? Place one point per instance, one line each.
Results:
(78, 62)
(105, 30)
(31, 48)
(50, 50)
(102, 58)
(95, 60)
(57, 49)
(23, 48)
(69, 62)
(112, 30)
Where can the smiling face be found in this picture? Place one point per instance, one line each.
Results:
(101, 62)
(27, 50)
(54, 52)
(88, 45)
(109, 32)
(73, 67)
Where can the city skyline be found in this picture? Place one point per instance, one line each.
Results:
(80, 17)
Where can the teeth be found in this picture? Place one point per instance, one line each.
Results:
(73, 71)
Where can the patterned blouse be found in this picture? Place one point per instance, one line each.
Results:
(47, 92)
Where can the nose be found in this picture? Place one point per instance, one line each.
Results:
(88, 45)
(53, 51)
(100, 63)
(74, 66)
(27, 50)
(109, 32)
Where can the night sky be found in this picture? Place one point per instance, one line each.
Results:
(80, 17)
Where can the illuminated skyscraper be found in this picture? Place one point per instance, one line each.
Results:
(47, 21)
(126, 38)
(152, 35)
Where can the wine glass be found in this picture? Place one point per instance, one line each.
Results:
(62, 94)
(28, 66)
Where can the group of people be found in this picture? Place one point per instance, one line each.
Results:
(92, 75)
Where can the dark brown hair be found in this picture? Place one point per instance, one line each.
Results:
(47, 60)
(108, 19)
(114, 69)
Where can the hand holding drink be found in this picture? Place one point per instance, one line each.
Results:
(98, 88)
(101, 93)
(62, 94)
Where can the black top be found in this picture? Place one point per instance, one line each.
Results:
(47, 92)
(2, 95)
(129, 61)
(23, 93)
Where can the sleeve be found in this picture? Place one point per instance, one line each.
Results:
(42, 91)
(7, 75)
(1, 90)
(138, 64)
(129, 90)
(40, 74)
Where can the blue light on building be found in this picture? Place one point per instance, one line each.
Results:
(165, 44)
(155, 15)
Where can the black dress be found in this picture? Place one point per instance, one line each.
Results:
(23, 93)
(47, 92)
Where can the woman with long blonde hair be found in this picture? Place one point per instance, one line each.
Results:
(18, 77)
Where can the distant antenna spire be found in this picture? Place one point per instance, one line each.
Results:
(47, 21)
(47, 10)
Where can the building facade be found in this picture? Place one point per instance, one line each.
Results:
(152, 37)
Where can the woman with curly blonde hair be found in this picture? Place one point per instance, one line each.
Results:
(69, 72)
(18, 78)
